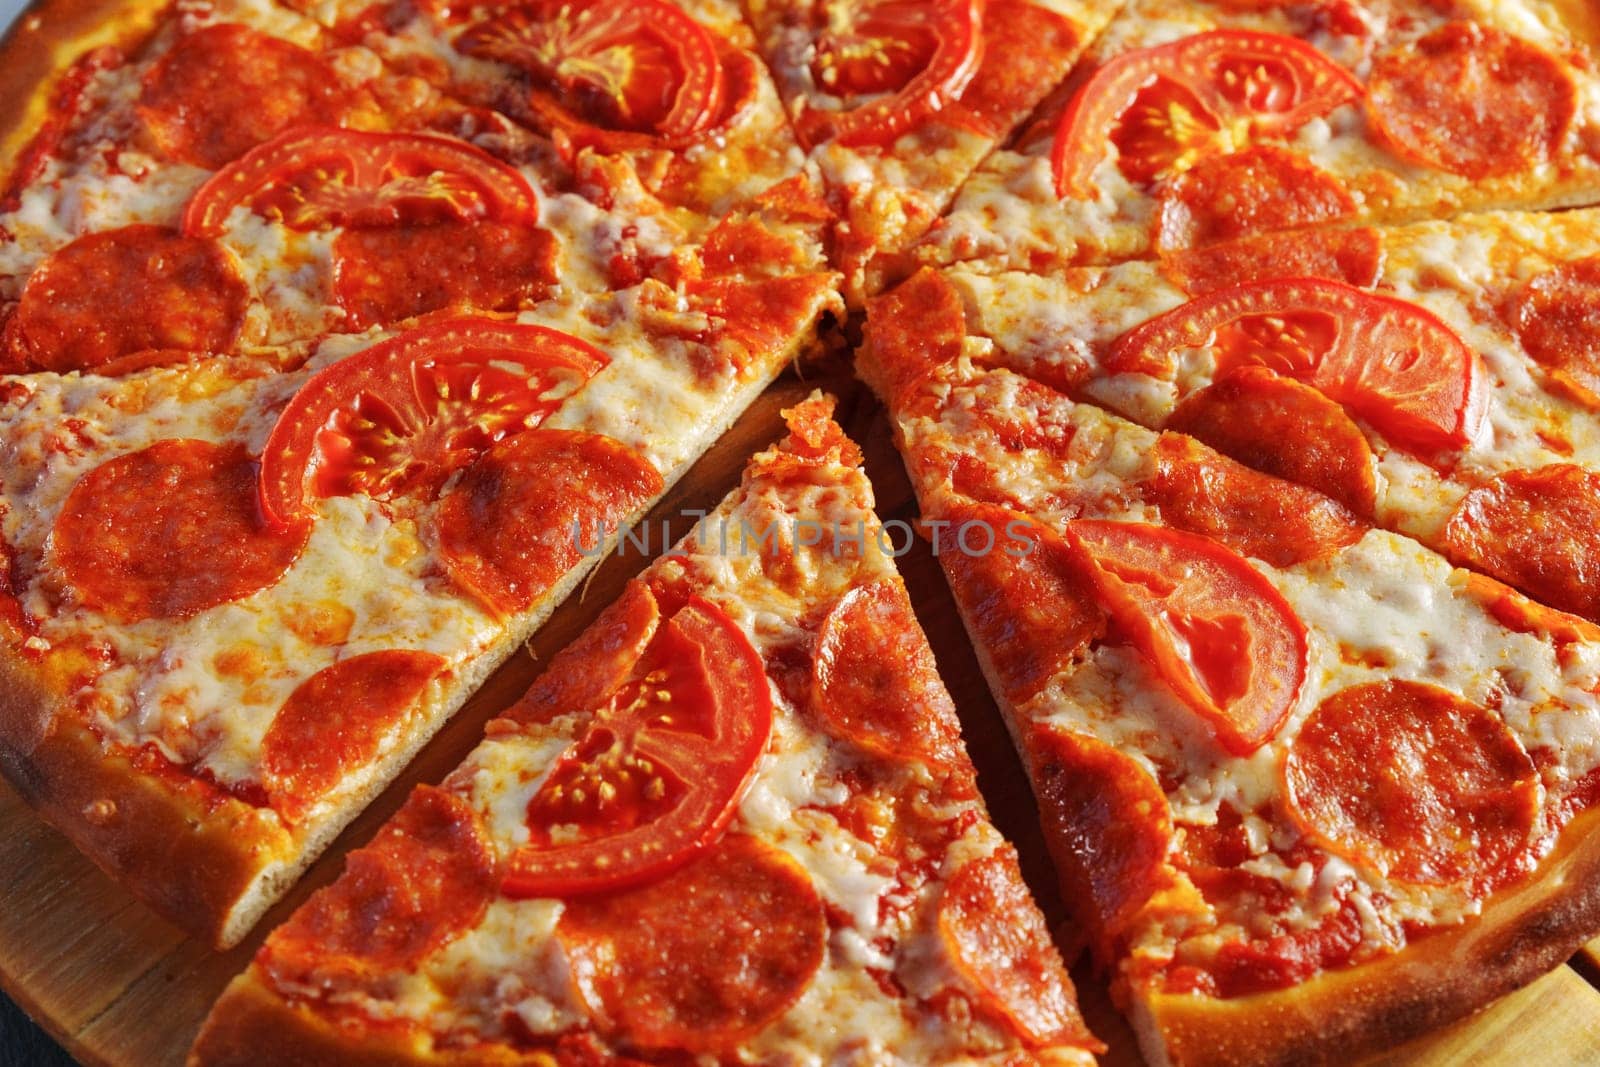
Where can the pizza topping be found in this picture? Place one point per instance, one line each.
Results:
(893, 63)
(393, 273)
(1034, 613)
(1107, 825)
(1412, 781)
(614, 73)
(660, 768)
(168, 532)
(1391, 362)
(400, 417)
(1472, 100)
(1354, 257)
(1538, 530)
(999, 943)
(120, 292)
(874, 680)
(1252, 513)
(703, 957)
(426, 879)
(524, 514)
(1262, 188)
(336, 721)
(1166, 107)
(224, 89)
(1218, 633)
(593, 667)
(912, 330)
(318, 177)
(1520, 615)
(1557, 318)
(1286, 429)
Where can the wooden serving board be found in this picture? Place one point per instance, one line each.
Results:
(118, 986)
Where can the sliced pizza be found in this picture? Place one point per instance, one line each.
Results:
(733, 822)
(1202, 122)
(1438, 379)
(898, 100)
(238, 599)
(1313, 789)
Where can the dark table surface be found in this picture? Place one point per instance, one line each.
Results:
(23, 1044)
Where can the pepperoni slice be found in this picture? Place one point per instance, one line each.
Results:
(1391, 362)
(1557, 318)
(1033, 614)
(1412, 781)
(1253, 514)
(614, 73)
(427, 878)
(168, 532)
(912, 331)
(1473, 100)
(999, 943)
(1219, 634)
(587, 672)
(1354, 257)
(705, 956)
(1286, 429)
(397, 272)
(1262, 188)
(658, 772)
(402, 416)
(1519, 614)
(892, 64)
(874, 680)
(112, 294)
(1537, 530)
(522, 516)
(1107, 825)
(224, 89)
(336, 720)
(312, 178)
(1165, 107)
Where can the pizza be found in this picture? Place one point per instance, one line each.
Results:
(734, 820)
(1291, 766)
(1437, 379)
(1201, 122)
(242, 592)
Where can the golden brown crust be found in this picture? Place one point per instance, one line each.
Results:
(42, 44)
(1522, 933)
(189, 857)
(251, 1017)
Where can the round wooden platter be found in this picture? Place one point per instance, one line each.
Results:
(118, 986)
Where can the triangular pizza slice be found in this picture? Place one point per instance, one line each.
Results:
(733, 822)
(1313, 789)
(238, 599)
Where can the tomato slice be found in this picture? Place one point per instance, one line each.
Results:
(315, 177)
(893, 63)
(400, 416)
(1166, 106)
(641, 69)
(1389, 361)
(1221, 636)
(657, 774)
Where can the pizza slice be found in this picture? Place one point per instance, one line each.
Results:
(238, 599)
(163, 210)
(672, 92)
(1438, 379)
(733, 822)
(898, 100)
(1314, 790)
(1202, 122)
